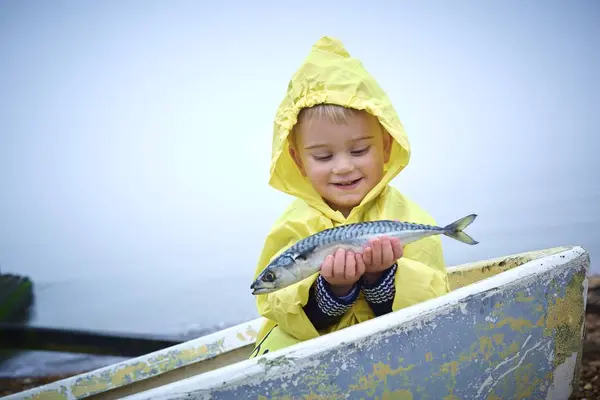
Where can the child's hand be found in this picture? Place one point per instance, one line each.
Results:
(342, 270)
(379, 255)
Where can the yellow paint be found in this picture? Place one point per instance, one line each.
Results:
(381, 371)
(516, 324)
(451, 397)
(397, 395)
(498, 338)
(449, 368)
(565, 317)
(486, 347)
(510, 351)
(479, 270)
(251, 333)
(428, 356)
(522, 298)
(241, 336)
(525, 384)
(541, 321)
(91, 383)
(49, 395)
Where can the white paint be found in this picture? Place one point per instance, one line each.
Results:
(563, 378)
(538, 344)
(376, 329)
(526, 341)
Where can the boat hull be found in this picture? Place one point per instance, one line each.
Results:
(504, 332)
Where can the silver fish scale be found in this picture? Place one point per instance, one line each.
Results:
(349, 232)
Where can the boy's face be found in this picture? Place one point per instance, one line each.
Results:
(342, 162)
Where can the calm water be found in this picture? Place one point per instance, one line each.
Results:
(135, 143)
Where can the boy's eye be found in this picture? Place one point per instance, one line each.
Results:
(322, 157)
(361, 151)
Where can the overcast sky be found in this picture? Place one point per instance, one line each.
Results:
(135, 135)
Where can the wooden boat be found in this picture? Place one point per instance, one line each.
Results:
(511, 328)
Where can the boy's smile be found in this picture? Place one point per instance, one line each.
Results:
(343, 161)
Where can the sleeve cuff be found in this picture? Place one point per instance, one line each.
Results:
(384, 289)
(330, 304)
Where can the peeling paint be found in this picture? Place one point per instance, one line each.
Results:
(146, 367)
(565, 317)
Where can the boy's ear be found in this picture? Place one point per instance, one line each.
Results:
(296, 157)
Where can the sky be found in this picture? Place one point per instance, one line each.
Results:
(135, 137)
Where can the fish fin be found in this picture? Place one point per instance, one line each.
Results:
(303, 256)
(455, 229)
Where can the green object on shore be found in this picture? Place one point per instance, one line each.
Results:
(16, 296)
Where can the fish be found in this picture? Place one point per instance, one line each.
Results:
(305, 257)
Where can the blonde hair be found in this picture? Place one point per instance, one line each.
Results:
(332, 112)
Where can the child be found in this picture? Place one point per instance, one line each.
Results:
(337, 143)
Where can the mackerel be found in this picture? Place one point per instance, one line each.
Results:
(306, 256)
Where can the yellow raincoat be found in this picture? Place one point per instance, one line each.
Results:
(331, 75)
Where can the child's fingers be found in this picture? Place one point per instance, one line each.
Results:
(397, 248)
(387, 253)
(350, 270)
(339, 262)
(327, 268)
(367, 255)
(376, 256)
(360, 264)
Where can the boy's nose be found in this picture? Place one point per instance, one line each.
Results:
(343, 166)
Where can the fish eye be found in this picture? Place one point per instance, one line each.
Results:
(269, 277)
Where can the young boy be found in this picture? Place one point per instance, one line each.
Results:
(337, 143)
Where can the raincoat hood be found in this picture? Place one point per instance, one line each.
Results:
(330, 75)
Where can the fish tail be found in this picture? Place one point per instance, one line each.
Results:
(455, 229)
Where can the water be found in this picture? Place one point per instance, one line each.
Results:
(135, 144)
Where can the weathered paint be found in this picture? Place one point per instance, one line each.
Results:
(147, 366)
(516, 335)
(469, 273)
(490, 328)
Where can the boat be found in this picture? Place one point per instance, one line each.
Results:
(512, 327)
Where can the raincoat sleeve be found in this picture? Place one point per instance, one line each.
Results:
(286, 306)
(421, 273)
